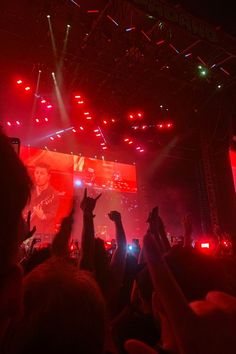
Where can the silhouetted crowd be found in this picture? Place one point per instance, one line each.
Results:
(161, 299)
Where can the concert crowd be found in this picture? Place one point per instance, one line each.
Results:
(162, 298)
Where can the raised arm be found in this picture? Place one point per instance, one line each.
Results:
(87, 243)
(119, 255)
(60, 244)
(117, 265)
(157, 228)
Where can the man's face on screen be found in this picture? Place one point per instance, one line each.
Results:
(41, 176)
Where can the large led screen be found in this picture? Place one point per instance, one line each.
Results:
(57, 177)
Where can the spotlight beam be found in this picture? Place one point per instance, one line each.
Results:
(59, 74)
(36, 94)
(102, 135)
(62, 109)
(74, 2)
(54, 47)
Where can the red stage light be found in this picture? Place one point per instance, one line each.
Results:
(96, 130)
(77, 96)
(138, 148)
(59, 136)
(144, 127)
(104, 122)
(86, 113)
(37, 120)
(17, 122)
(43, 101)
(74, 130)
(160, 125)
(226, 243)
(98, 134)
(19, 82)
(131, 116)
(160, 42)
(49, 106)
(27, 88)
(92, 11)
(80, 102)
(130, 142)
(205, 245)
(88, 118)
(140, 115)
(104, 148)
(141, 150)
(126, 139)
(113, 120)
(9, 124)
(169, 125)
(51, 137)
(81, 128)
(102, 144)
(46, 119)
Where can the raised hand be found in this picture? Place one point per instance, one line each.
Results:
(25, 231)
(203, 326)
(88, 204)
(154, 221)
(60, 244)
(114, 216)
(157, 228)
(30, 232)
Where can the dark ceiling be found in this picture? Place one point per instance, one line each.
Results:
(118, 71)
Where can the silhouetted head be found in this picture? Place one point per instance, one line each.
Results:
(64, 312)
